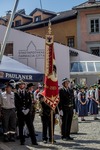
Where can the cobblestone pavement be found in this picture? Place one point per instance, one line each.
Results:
(88, 138)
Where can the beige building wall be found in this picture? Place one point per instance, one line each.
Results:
(61, 31)
(84, 35)
(23, 20)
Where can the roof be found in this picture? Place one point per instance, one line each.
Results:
(64, 15)
(32, 25)
(21, 13)
(60, 17)
(88, 4)
(4, 19)
(43, 11)
(24, 16)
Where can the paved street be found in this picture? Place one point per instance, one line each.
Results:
(88, 138)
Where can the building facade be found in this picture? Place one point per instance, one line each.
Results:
(77, 28)
(88, 27)
(28, 49)
(64, 25)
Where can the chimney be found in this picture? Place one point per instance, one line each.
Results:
(8, 14)
(91, 1)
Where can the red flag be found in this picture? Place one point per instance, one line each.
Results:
(51, 93)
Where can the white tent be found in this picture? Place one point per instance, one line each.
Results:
(12, 69)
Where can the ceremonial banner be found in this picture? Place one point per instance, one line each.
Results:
(51, 94)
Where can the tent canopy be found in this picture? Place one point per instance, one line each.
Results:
(12, 69)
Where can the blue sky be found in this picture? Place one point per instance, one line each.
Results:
(30, 5)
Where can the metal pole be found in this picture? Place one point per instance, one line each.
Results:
(3, 45)
(60, 122)
(41, 4)
(52, 128)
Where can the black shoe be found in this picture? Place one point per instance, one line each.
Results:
(69, 138)
(96, 118)
(44, 141)
(12, 139)
(22, 143)
(35, 143)
(82, 119)
(6, 139)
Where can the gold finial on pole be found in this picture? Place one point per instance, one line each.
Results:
(49, 28)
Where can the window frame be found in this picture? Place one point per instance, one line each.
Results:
(94, 48)
(9, 49)
(39, 16)
(70, 38)
(17, 23)
(94, 25)
(93, 17)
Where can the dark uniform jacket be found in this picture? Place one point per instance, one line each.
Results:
(45, 109)
(22, 102)
(66, 98)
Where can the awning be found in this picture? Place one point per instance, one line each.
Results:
(12, 69)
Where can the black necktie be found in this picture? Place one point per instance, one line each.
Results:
(21, 93)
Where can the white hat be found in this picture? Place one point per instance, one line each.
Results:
(65, 79)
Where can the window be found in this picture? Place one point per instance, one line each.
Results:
(90, 66)
(78, 67)
(37, 18)
(17, 23)
(70, 41)
(94, 25)
(95, 51)
(97, 64)
(85, 66)
(8, 50)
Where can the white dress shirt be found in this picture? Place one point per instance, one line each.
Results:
(7, 100)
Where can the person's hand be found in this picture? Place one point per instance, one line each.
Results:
(57, 116)
(61, 113)
(25, 112)
(74, 111)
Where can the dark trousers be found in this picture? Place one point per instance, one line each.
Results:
(66, 122)
(46, 127)
(26, 119)
(9, 121)
(32, 112)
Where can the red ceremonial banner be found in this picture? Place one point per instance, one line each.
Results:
(51, 93)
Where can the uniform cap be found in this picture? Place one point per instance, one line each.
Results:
(21, 81)
(30, 85)
(12, 81)
(64, 80)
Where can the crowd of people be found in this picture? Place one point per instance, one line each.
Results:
(20, 101)
(87, 101)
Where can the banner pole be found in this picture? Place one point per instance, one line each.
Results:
(52, 127)
(60, 122)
